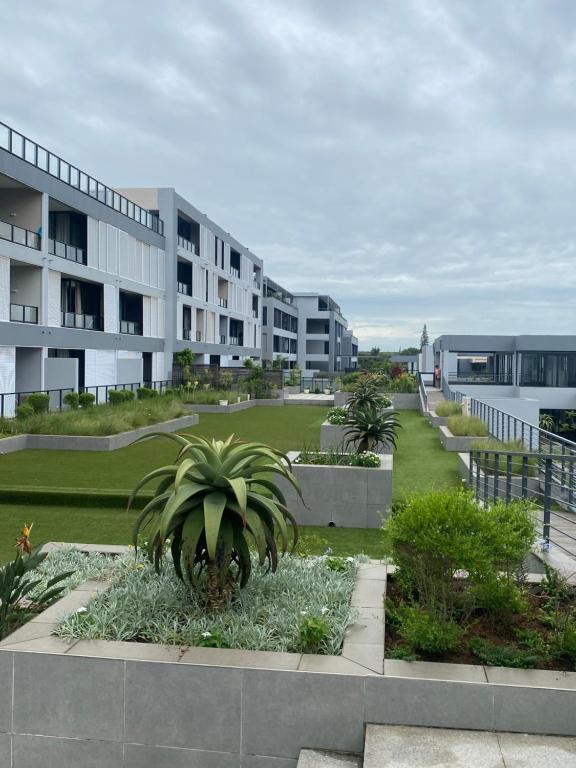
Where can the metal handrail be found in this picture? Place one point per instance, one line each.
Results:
(67, 251)
(31, 152)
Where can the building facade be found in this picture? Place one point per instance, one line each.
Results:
(321, 330)
(279, 325)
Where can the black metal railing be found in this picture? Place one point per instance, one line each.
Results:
(66, 251)
(184, 288)
(188, 245)
(317, 384)
(471, 377)
(19, 235)
(131, 327)
(536, 476)
(222, 302)
(186, 334)
(83, 322)
(35, 154)
(22, 313)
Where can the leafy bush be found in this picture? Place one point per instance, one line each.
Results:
(72, 400)
(426, 631)
(563, 640)
(313, 632)
(145, 393)
(470, 426)
(336, 457)
(494, 655)
(86, 399)
(448, 408)
(24, 411)
(40, 402)
(369, 428)
(337, 416)
(212, 505)
(403, 384)
(499, 597)
(117, 396)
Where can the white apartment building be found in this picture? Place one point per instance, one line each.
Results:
(321, 330)
(279, 325)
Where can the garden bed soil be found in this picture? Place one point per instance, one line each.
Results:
(497, 632)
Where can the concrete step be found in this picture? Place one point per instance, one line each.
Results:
(312, 758)
(409, 747)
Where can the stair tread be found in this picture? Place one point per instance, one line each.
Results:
(415, 747)
(313, 758)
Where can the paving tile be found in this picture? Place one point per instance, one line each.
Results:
(367, 655)
(5, 749)
(366, 631)
(312, 758)
(338, 665)
(113, 649)
(526, 751)
(372, 571)
(534, 710)
(426, 670)
(50, 644)
(30, 631)
(539, 678)
(409, 747)
(227, 657)
(368, 593)
(138, 756)
(259, 761)
(64, 607)
(51, 752)
(93, 585)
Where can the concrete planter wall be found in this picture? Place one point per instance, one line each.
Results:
(131, 705)
(352, 497)
(341, 398)
(288, 390)
(437, 421)
(532, 483)
(234, 407)
(405, 402)
(91, 443)
(462, 444)
(334, 436)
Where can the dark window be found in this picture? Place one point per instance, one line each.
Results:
(264, 315)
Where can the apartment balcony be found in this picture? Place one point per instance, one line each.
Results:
(187, 245)
(20, 236)
(131, 327)
(83, 322)
(487, 377)
(234, 341)
(198, 335)
(187, 334)
(223, 303)
(222, 338)
(254, 313)
(184, 288)
(21, 313)
(65, 251)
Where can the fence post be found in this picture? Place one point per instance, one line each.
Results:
(547, 503)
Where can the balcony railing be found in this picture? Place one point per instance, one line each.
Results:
(487, 377)
(198, 335)
(234, 272)
(256, 284)
(186, 334)
(36, 155)
(20, 313)
(65, 251)
(222, 338)
(19, 235)
(131, 327)
(184, 288)
(223, 302)
(236, 341)
(85, 322)
(188, 245)
(254, 313)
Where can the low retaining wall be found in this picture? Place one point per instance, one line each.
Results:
(405, 402)
(89, 442)
(437, 421)
(460, 443)
(145, 706)
(352, 497)
(532, 483)
(334, 436)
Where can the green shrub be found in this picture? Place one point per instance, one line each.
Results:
(313, 632)
(338, 458)
(499, 597)
(145, 393)
(563, 640)
(369, 427)
(86, 399)
(448, 408)
(337, 416)
(24, 411)
(494, 655)
(72, 400)
(404, 384)
(426, 631)
(117, 396)
(40, 402)
(467, 426)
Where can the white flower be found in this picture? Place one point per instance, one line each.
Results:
(349, 559)
(324, 610)
(206, 634)
(82, 609)
(303, 613)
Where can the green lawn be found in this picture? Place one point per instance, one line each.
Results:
(420, 464)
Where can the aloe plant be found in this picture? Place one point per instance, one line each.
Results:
(368, 427)
(213, 503)
(366, 395)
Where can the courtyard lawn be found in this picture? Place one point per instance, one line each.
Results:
(114, 526)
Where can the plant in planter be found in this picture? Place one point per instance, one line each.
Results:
(366, 394)
(448, 408)
(467, 426)
(337, 416)
(213, 503)
(368, 427)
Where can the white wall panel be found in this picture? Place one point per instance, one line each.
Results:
(179, 319)
(54, 298)
(111, 309)
(7, 369)
(124, 256)
(146, 313)
(145, 256)
(161, 270)
(159, 372)
(153, 266)
(99, 367)
(161, 318)
(5, 289)
(112, 249)
(102, 246)
(93, 244)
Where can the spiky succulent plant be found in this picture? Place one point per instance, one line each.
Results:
(213, 503)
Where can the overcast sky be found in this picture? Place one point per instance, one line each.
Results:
(414, 159)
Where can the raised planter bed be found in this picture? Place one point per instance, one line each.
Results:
(334, 436)
(460, 443)
(532, 483)
(341, 398)
(352, 497)
(91, 442)
(405, 402)
(437, 421)
(157, 705)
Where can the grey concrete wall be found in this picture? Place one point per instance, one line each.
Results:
(29, 364)
(405, 402)
(128, 371)
(462, 444)
(351, 497)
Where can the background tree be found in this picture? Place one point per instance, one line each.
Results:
(424, 340)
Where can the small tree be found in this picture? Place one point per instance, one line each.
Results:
(424, 340)
(185, 360)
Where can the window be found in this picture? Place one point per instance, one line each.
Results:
(264, 315)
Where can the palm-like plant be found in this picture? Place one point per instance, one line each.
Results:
(366, 395)
(216, 500)
(368, 428)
